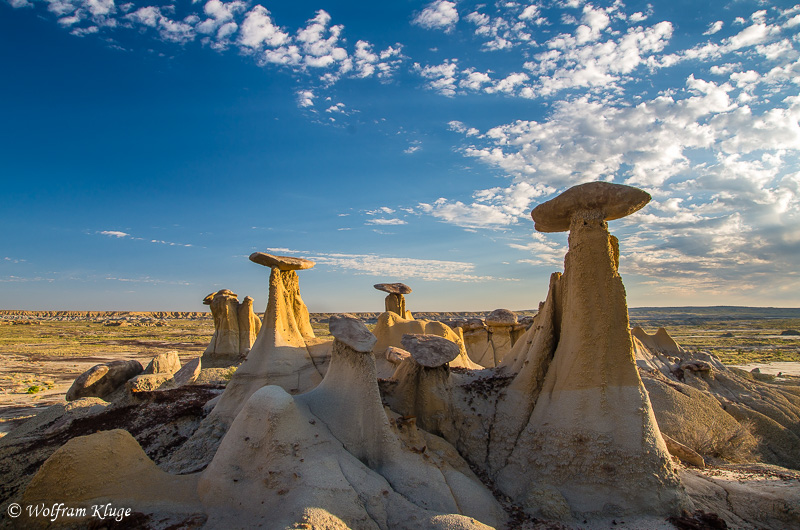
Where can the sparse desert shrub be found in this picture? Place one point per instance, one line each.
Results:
(724, 442)
(34, 389)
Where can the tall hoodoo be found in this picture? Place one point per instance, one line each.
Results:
(395, 301)
(598, 443)
(280, 355)
(286, 353)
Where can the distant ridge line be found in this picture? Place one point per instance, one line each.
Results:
(636, 314)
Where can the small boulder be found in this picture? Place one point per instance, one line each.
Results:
(103, 379)
(148, 382)
(188, 373)
(430, 351)
(164, 363)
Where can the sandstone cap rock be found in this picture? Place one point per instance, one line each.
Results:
(284, 263)
(351, 330)
(501, 317)
(222, 292)
(431, 351)
(396, 355)
(614, 200)
(393, 288)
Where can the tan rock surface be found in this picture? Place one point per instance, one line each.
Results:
(286, 353)
(333, 448)
(611, 201)
(390, 329)
(126, 477)
(235, 329)
(283, 263)
(103, 379)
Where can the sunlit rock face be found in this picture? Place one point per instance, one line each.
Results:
(235, 329)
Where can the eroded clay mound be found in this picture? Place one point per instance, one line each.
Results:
(725, 414)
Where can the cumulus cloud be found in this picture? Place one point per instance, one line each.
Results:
(714, 27)
(491, 208)
(440, 14)
(305, 98)
(258, 30)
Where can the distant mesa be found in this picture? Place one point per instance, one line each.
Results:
(790, 333)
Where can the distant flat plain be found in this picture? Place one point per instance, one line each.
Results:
(41, 353)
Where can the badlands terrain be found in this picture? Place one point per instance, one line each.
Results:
(578, 414)
(42, 352)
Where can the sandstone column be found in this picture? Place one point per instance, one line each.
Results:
(592, 439)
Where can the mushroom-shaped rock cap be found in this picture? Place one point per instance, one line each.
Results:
(284, 263)
(351, 330)
(501, 317)
(614, 200)
(431, 351)
(223, 292)
(393, 288)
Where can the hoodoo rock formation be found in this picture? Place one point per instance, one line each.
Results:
(395, 301)
(393, 428)
(488, 341)
(235, 329)
(390, 330)
(286, 353)
(334, 449)
(601, 448)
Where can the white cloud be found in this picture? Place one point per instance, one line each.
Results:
(99, 7)
(305, 98)
(440, 14)
(492, 208)
(713, 28)
(441, 78)
(544, 251)
(386, 222)
(258, 30)
(114, 233)
(388, 266)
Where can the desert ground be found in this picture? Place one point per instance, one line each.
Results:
(41, 353)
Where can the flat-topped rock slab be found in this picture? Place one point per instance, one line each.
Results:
(351, 330)
(613, 200)
(284, 263)
(430, 351)
(393, 288)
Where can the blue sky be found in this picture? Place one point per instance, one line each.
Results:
(146, 149)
